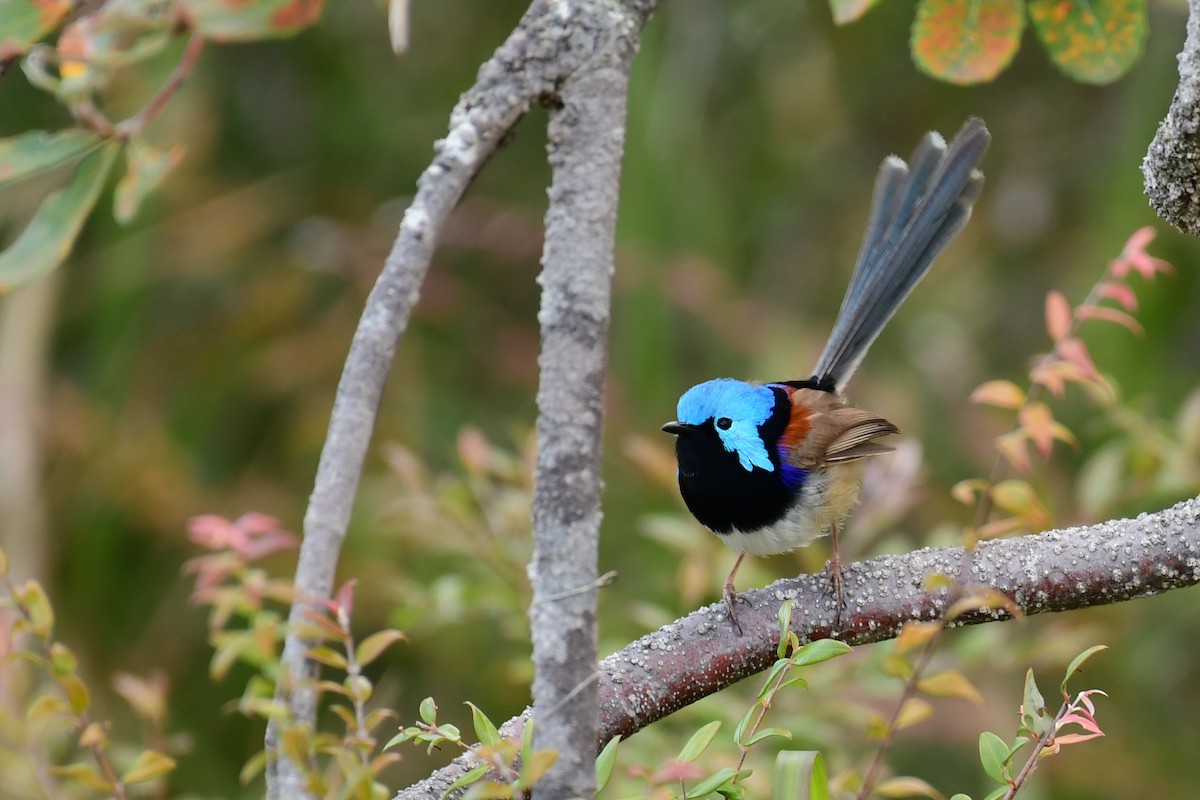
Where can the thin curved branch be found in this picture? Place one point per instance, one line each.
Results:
(1171, 168)
(1060, 570)
(540, 53)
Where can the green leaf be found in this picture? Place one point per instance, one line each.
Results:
(799, 775)
(48, 238)
(818, 651)
(37, 151)
(149, 764)
(466, 780)
(76, 692)
(960, 796)
(48, 705)
(62, 660)
(1035, 717)
(997, 793)
(966, 41)
(993, 755)
(846, 11)
(223, 21)
(536, 766)
(327, 656)
(428, 711)
(785, 621)
(374, 645)
(907, 786)
(253, 767)
(699, 742)
(1077, 662)
(1093, 41)
(767, 733)
(83, 774)
(23, 22)
(36, 602)
(605, 763)
(145, 169)
(950, 683)
(739, 732)
(485, 731)
(712, 783)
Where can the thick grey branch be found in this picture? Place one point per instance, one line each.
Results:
(1172, 165)
(587, 136)
(1063, 570)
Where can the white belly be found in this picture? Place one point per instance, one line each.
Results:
(827, 497)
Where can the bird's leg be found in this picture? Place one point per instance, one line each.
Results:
(835, 579)
(731, 595)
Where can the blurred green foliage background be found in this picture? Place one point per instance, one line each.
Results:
(191, 359)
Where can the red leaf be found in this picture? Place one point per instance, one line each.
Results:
(1074, 351)
(1134, 257)
(1121, 293)
(1112, 315)
(1058, 315)
(1038, 421)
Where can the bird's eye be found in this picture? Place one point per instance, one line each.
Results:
(724, 423)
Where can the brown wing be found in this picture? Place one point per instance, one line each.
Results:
(825, 430)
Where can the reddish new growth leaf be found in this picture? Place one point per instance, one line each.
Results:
(1081, 713)
(1111, 315)
(1038, 422)
(1058, 316)
(1135, 258)
(1121, 293)
(1074, 351)
(251, 536)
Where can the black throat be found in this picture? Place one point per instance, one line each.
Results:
(721, 493)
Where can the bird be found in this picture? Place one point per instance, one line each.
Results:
(769, 467)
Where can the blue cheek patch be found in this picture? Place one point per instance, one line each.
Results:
(745, 405)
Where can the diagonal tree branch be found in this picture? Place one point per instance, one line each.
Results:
(1051, 572)
(540, 55)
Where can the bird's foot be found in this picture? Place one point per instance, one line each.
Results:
(834, 571)
(732, 598)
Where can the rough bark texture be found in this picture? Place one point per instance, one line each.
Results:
(1060, 570)
(587, 136)
(1172, 165)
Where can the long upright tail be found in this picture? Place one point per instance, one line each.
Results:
(916, 210)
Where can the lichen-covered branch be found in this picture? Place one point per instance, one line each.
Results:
(1056, 571)
(1172, 165)
(537, 58)
(586, 141)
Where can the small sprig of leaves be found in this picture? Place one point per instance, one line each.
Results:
(93, 46)
(799, 774)
(1069, 362)
(247, 623)
(1047, 732)
(28, 617)
(508, 768)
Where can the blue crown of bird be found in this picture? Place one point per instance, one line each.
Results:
(769, 467)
